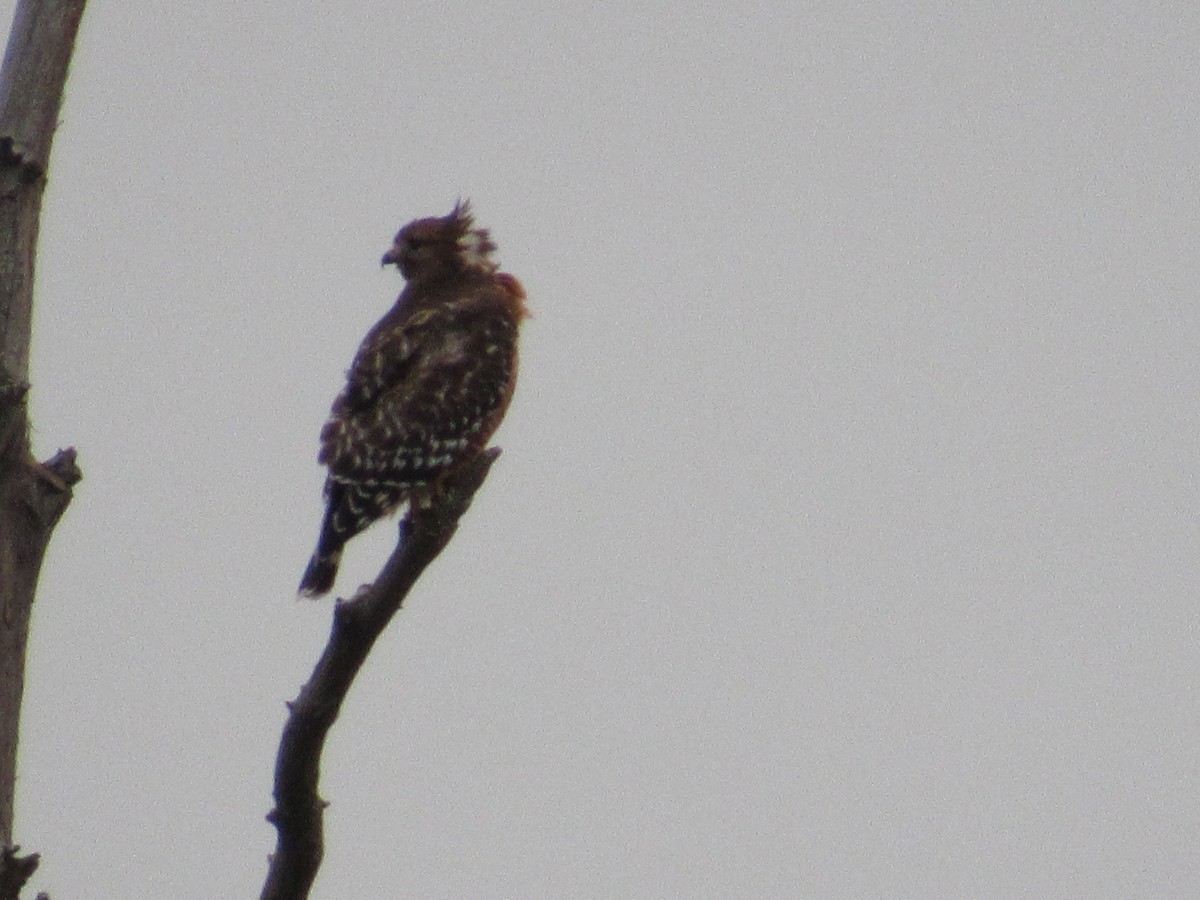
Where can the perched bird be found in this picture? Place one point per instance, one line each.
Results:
(428, 386)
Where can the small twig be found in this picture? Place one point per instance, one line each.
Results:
(15, 871)
(298, 816)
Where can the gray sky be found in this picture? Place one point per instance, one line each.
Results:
(845, 538)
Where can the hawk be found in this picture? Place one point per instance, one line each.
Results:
(427, 388)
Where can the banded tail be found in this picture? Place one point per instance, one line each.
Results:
(319, 576)
(349, 509)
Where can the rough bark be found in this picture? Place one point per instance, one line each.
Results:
(33, 495)
(299, 810)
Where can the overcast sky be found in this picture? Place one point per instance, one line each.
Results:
(845, 539)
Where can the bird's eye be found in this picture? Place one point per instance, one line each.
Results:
(414, 243)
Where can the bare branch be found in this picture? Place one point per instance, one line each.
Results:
(31, 87)
(357, 623)
(32, 495)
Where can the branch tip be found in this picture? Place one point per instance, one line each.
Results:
(65, 467)
(15, 870)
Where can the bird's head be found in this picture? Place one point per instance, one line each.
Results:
(430, 249)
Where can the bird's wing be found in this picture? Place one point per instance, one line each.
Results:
(422, 397)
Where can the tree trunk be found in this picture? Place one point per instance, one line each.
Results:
(33, 495)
